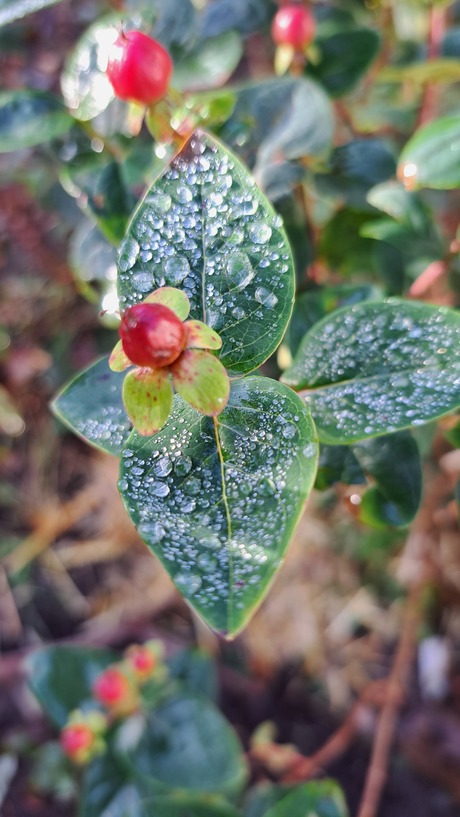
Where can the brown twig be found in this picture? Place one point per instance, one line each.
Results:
(386, 727)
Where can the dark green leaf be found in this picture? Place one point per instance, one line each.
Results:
(311, 307)
(101, 191)
(394, 463)
(91, 405)
(299, 235)
(376, 368)
(210, 64)
(277, 121)
(404, 206)
(196, 670)
(345, 58)
(337, 463)
(187, 805)
(11, 10)
(262, 797)
(185, 743)
(431, 158)
(342, 246)
(109, 791)
(416, 249)
(323, 798)
(453, 435)
(356, 167)
(61, 678)
(29, 118)
(244, 16)
(220, 516)
(94, 265)
(205, 227)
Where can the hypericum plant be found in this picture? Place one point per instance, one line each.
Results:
(217, 499)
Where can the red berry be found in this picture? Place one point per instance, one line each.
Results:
(139, 68)
(142, 660)
(293, 25)
(152, 335)
(111, 687)
(76, 740)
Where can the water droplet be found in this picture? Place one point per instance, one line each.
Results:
(259, 232)
(183, 466)
(188, 583)
(289, 431)
(192, 486)
(162, 467)
(265, 297)
(158, 489)
(240, 271)
(176, 269)
(161, 202)
(143, 281)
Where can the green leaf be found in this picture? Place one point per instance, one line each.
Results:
(174, 299)
(202, 381)
(100, 189)
(61, 678)
(354, 168)
(337, 463)
(210, 64)
(311, 307)
(28, 118)
(433, 71)
(323, 798)
(109, 790)
(205, 227)
(394, 462)
(184, 744)
(345, 57)
(376, 368)
(431, 158)
(11, 10)
(187, 805)
(91, 405)
(94, 265)
(275, 122)
(219, 512)
(147, 396)
(404, 206)
(200, 336)
(245, 16)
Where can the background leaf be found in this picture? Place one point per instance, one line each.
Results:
(221, 527)
(210, 64)
(430, 157)
(204, 227)
(185, 744)
(28, 118)
(61, 678)
(91, 405)
(345, 57)
(275, 122)
(321, 798)
(377, 368)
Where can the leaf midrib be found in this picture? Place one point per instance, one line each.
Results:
(357, 380)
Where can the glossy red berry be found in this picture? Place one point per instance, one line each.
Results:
(152, 335)
(293, 25)
(76, 741)
(141, 660)
(112, 687)
(139, 68)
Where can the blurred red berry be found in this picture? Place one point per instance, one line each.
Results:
(111, 687)
(77, 741)
(293, 25)
(152, 335)
(139, 68)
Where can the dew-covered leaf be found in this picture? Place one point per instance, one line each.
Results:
(376, 368)
(28, 118)
(186, 744)
(431, 158)
(147, 397)
(61, 678)
(202, 381)
(174, 299)
(219, 512)
(91, 405)
(311, 307)
(205, 227)
(210, 64)
(11, 10)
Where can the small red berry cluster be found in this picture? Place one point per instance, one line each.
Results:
(139, 68)
(118, 691)
(293, 25)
